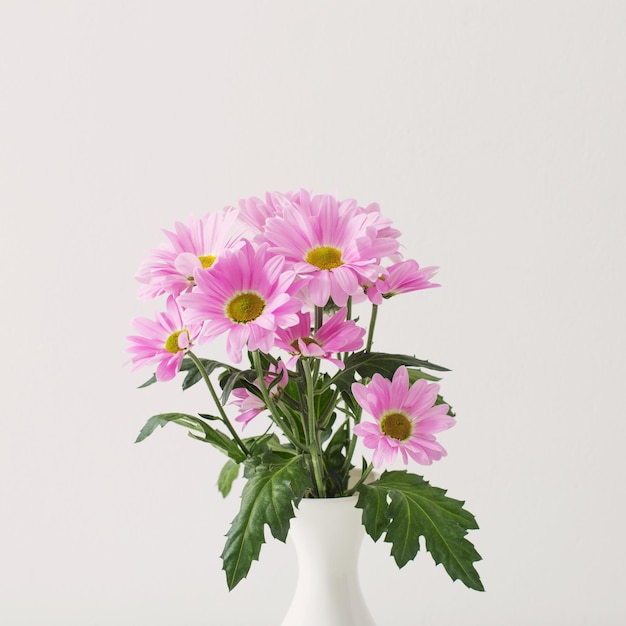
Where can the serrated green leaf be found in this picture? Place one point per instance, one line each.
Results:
(374, 504)
(418, 509)
(268, 498)
(227, 477)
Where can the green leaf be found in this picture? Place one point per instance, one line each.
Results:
(159, 420)
(149, 382)
(374, 504)
(334, 461)
(366, 364)
(417, 509)
(415, 374)
(206, 433)
(440, 400)
(209, 364)
(210, 418)
(350, 402)
(220, 441)
(268, 498)
(258, 444)
(227, 476)
(237, 378)
(193, 373)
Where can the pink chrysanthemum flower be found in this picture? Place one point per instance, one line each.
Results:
(254, 212)
(334, 336)
(162, 341)
(336, 249)
(384, 240)
(406, 418)
(191, 247)
(401, 277)
(250, 405)
(248, 295)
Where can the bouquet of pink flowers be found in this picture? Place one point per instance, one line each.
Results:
(281, 278)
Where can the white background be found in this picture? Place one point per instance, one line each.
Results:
(492, 133)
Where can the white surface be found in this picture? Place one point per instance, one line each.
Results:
(493, 133)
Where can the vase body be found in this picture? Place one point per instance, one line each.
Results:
(327, 534)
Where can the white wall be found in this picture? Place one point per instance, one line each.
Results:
(493, 133)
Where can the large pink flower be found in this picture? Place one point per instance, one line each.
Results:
(191, 248)
(250, 405)
(335, 245)
(334, 336)
(401, 277)
(248, 294)
(162, 341)
(406, 418)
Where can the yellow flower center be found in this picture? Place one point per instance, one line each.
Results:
(171, 343)
(306, 340)
(245, 307)
(325, 257)
(396, 425)
(207, 260)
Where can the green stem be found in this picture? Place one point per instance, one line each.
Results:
(353, 440)
(325, 418)
(319, 317)
(316, 453)
(269, 402)
(344, 356)
(370, 334)
(218, 404)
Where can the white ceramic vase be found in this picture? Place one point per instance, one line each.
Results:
(327, 535)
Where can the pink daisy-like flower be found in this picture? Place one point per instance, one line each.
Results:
(334, 336)
(162, 341)
(191, 247)
(248, 295)
(251, 405)
(401, 277)
(406, 418)
(254, 212)
(385, 236)
(335, 248)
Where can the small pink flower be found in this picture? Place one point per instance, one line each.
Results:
(251, 405)
(249, 294)
(334, 336)
(191, 248)
(401, 277)
(384, 236)
(162, 341)
(406, 418)
(254, 212)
